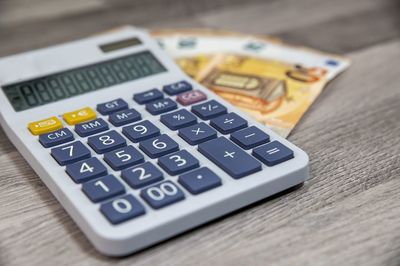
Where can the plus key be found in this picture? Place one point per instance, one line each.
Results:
(229, 157)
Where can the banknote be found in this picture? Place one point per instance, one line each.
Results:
(273, 82)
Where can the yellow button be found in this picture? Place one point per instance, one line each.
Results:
(79, 116)
(45, 125)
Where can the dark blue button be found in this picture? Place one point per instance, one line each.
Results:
(200, 180)
(250, 137)
(86, 170)
(141, 131)
(178, 87)
(142, 175)
(112, 106)
(209, 110)
(178, 119)
(103, 188)
(273, 153)
(56, 137)
(197, 133)
(162, 194)
(161, 106)
(70, 153)
(106, 142)
(230, 157)
(158, 146)
(122, 209)
(124, 117)
(228, 123)
(92, 127)
(148, 96)
(178, 162)
(123, 158)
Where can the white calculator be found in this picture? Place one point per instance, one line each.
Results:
(135, 150)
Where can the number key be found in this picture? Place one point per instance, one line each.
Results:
(106, 142)
(142, 175)
(103, 188)
(158, 146)
(86, 170)
(70, 153)
(123, 158)
(178, 162)
(141, 131)
(162, 194)
(122, 209)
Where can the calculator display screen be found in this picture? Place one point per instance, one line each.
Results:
(73, 82)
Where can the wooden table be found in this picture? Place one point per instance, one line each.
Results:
(348, 213)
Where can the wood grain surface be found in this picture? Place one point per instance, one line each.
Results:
(347, 213)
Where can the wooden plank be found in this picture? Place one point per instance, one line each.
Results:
(335, 26)
(350, 133)
(44, 32)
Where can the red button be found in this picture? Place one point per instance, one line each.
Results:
(191, 97)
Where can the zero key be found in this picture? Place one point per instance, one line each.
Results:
(230, 157)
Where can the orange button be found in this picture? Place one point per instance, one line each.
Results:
(45, 125)
(79, 116)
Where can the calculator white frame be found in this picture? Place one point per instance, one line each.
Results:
(155, 225)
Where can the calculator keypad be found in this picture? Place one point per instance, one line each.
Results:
(158, 146)
(106, 142)
(70, 153)
(191, 97)
(122, 209)
(142, 175)
(141, 131)
(197, 133)
(112, 106)
(178, 119)
(178, 87)
(178, 162)
(86, 170)
(162, 194)
(273, 153)
(209, 110)
(148, 96)
(55, 138)
(200, 180)
(250, 137)
(155, 189)
(229, 157)
(124, 117)
(92, 127)
(123, 158)
(103, 188)
(228, 123)
(79, 116)
(161, 106)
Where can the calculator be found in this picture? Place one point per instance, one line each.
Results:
(135, 150)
